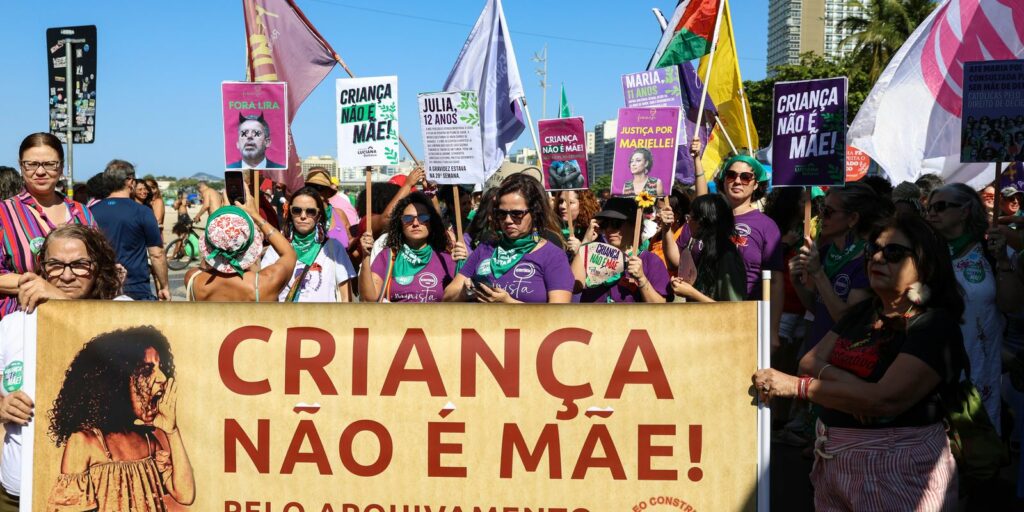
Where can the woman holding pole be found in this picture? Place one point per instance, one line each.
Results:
(577, 209)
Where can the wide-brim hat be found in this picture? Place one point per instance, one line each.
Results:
(318, 177)
(226, 246)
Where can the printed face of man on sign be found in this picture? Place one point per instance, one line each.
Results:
(253, 141)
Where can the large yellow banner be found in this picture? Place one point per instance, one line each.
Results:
(373, 408)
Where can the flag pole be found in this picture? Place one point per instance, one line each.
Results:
(711, 61)
(742, 92)
(721, 128)
(533, 131)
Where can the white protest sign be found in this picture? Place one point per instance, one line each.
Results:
(367, 120)
(450, 122)
(603, 262)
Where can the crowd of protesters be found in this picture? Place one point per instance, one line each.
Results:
(880, 307)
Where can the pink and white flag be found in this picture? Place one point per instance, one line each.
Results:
(910, 123)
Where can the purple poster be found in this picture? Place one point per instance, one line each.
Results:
(809, 133)
(992, 126)
(255, 125)
(645, 151)
(563, 148)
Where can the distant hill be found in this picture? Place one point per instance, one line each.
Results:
(202, 176)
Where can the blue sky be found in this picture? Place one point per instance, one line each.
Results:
(161, 63)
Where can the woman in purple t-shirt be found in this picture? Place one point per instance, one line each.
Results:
(415, 265)
(521, 265)
(645, 278)
(830, 281)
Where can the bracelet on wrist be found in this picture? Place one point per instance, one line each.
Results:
(822, 370)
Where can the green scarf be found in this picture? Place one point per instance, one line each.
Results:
(230, 256)
(306, 247)
(410, 262)
(836, 259)
(958, 244)
(509, 252)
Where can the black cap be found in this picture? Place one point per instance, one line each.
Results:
(621, 208)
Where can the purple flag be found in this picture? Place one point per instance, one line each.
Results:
(488, 66)
(283, 46)
(692, 89)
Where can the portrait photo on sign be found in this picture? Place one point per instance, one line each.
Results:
(255, 125)
(645, 151)
(566, 174)
(114, 424)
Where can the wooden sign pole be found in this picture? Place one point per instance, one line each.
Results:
(458, 213)
(369, 200)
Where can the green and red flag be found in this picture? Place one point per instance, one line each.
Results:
(689, 33)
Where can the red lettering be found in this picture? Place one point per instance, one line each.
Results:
(548, 441)
(436, 448)
(647, 451)
(546, 370)
(306, 429)
(587, 460)
(414, 340)
(234, 435)
(383, 440)
(507, 376)
(360, 357)
(639, 340)
(295, 364)
(226, 360)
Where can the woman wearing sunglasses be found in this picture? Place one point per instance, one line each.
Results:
(645, 278)
(415, 265)
(522, 265)
(831, 280)
(986, 281)
(881, 375)
(721, 275)
(323, 270)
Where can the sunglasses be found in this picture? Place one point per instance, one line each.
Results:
(891, 253)
(610, 223)
(827, 212)
(422, 218)
(743, 177)
(310, 212)
(988, 197)
(517, 215)
(941, 206)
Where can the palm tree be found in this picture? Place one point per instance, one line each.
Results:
(880, 32)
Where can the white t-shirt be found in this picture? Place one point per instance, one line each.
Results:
(331, 268)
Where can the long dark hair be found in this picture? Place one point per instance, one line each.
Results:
(544, 220)
(106, 284)
(436, 239)
(861, 199)
(931, 255)
(96, 390)
(715, 228)
(480, 229)
(321, 221)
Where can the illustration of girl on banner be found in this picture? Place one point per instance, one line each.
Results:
(115, 417)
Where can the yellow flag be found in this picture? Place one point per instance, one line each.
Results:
(725, 88)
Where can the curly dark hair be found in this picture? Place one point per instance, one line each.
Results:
(321, 221)
(545, 222)
(96, 390)
(437, 238)
(107, 285)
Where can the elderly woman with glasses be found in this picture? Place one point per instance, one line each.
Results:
(416, 264)
(881, 376)
(986, 281)
(28, 217)
(323, 270)
(522, 265)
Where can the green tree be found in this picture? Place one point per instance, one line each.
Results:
(811, 66)
(882, 30)
(601, 183)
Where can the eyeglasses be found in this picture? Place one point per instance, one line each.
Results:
(310, 212)
(517, 215)
(828, 211)
(744, 177)
(422, 218)
(891, 253)
(251, 133)
(610, 223)
(48, 166)
(941, 206)
(80, 268)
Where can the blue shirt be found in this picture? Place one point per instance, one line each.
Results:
(131, 228)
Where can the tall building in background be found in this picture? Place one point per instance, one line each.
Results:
(600, 162)
(801, 26)
(326, 161)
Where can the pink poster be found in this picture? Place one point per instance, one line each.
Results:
(564, 153)
(255, 125)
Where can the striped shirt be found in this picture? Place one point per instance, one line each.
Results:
(22, 220)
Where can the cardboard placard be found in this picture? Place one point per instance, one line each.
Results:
(450, 123)
(563, 153)
(809, 133)
(645, 151)
(992, 128)
(367, 119)
(255, 125)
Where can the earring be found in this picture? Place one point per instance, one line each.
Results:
(919, 293)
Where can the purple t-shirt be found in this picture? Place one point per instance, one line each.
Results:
(426, 286)
(758, 240)
(623, 291)
(851, 277)
(530, 280)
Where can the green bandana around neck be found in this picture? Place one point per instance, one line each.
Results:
(231, 256)
(836, 259)
(306, 247)
(410, 262)
(509, 252)
(958, 244)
